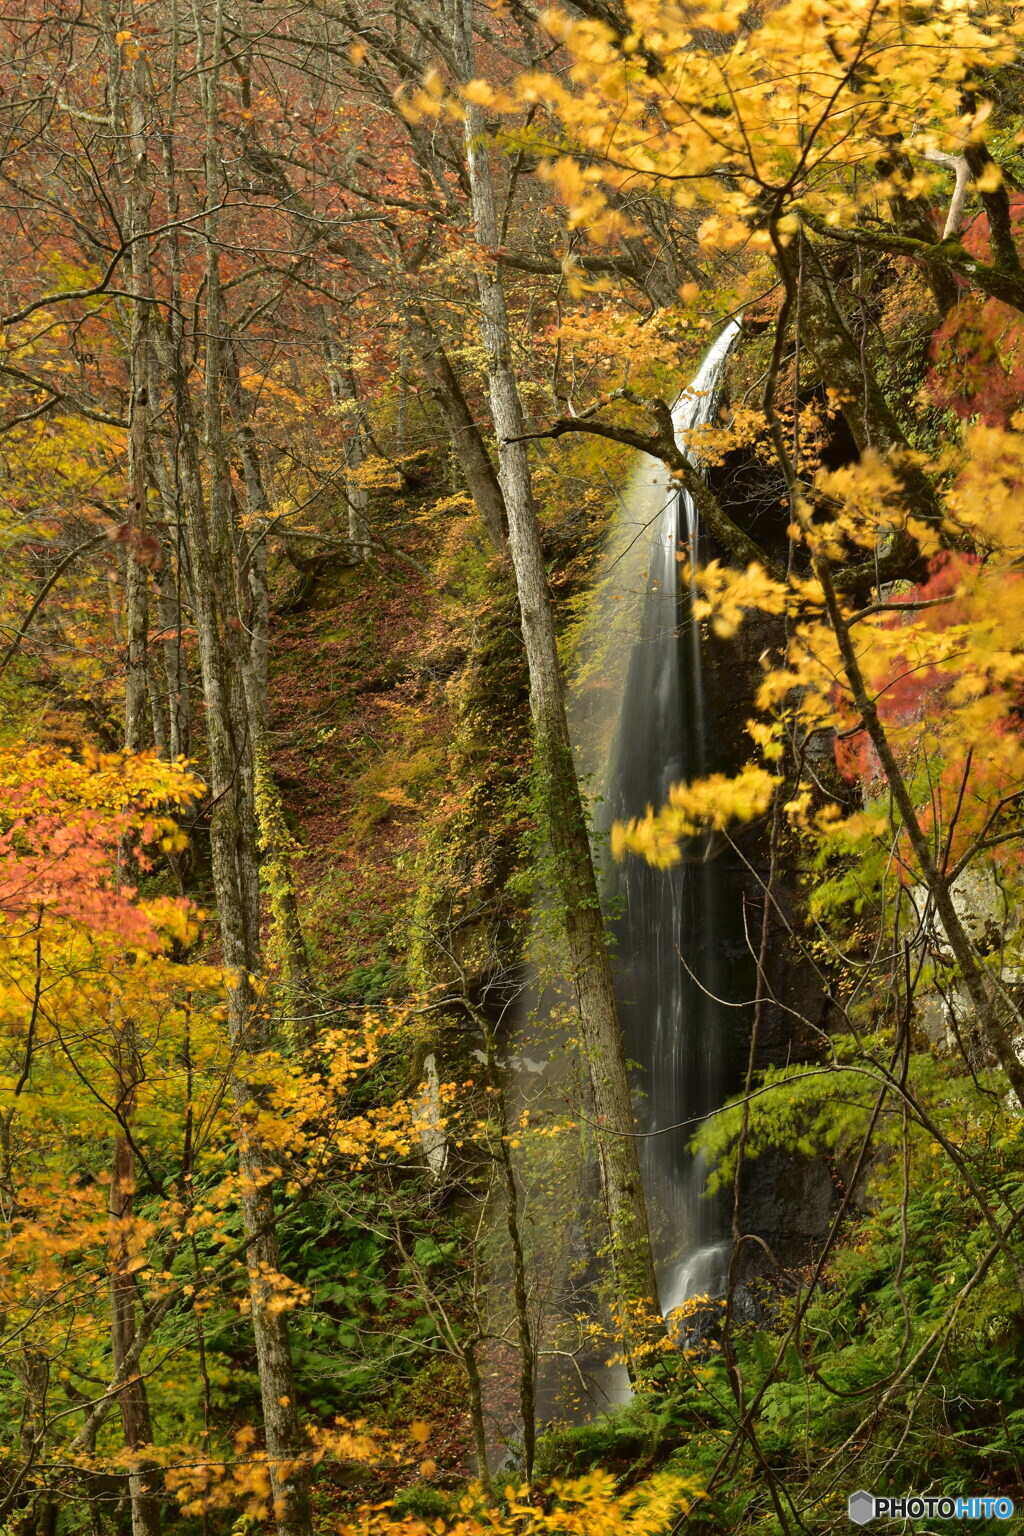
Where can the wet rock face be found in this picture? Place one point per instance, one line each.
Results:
(787, 1201)
(790, 1202)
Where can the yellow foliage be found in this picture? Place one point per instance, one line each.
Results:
(771, 115)
(728, 594)
(104, 1032)
(942, 663)
(584, 1506)
(706, 805)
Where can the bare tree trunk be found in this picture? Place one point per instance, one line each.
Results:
(520, 1288)
(32, 1369)
(133, 1402)
(346, 400)
(476, 1418)
(632, 1254)
(175, 668)
(234, 720)
(132, 172)
(233, 845)
(402, 409)
(157, 715)
(136, 577)
(131, 169)
(471, 451)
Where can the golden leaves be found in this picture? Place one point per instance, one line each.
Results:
(942, 661)
(591, 1505)
(728, 594)
(776, 106)
(706, 805)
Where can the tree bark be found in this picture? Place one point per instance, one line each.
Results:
(133, 1402)
(632, 1254)
(470, 450)
(136, 578)
(175, 665)
(127, 117)
(234, 717)
(346, 400)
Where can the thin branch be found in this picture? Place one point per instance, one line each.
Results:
(47, 587)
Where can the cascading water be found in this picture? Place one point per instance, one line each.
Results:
(641, 721)
(680, 953)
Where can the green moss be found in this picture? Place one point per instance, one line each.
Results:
(423, 1502)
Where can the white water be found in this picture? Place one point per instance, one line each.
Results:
(639, 722)
(675, 929)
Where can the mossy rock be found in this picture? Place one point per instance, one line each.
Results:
(423, 1502)
(625, 1444)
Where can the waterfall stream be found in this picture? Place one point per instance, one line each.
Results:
(679, 951)
(642, 718)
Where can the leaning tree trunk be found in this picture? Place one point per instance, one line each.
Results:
(566, 825)
(470, 449)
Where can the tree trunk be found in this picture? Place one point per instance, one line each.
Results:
(175, 667)
(234, 719)
(233, 847)
(345, 399)
(566, 826)
(132, 1399)
(131, 166)
(136, 573)
(275, 842)
(474, 460)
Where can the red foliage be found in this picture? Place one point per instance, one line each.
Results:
(856, 758)
(909, 691)
(62, 844)
(977, 353)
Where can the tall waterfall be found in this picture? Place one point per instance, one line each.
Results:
(679, 946)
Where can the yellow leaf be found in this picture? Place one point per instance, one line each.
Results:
(990, 180)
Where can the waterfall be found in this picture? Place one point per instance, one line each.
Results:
(641, 718)
(679, 948)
